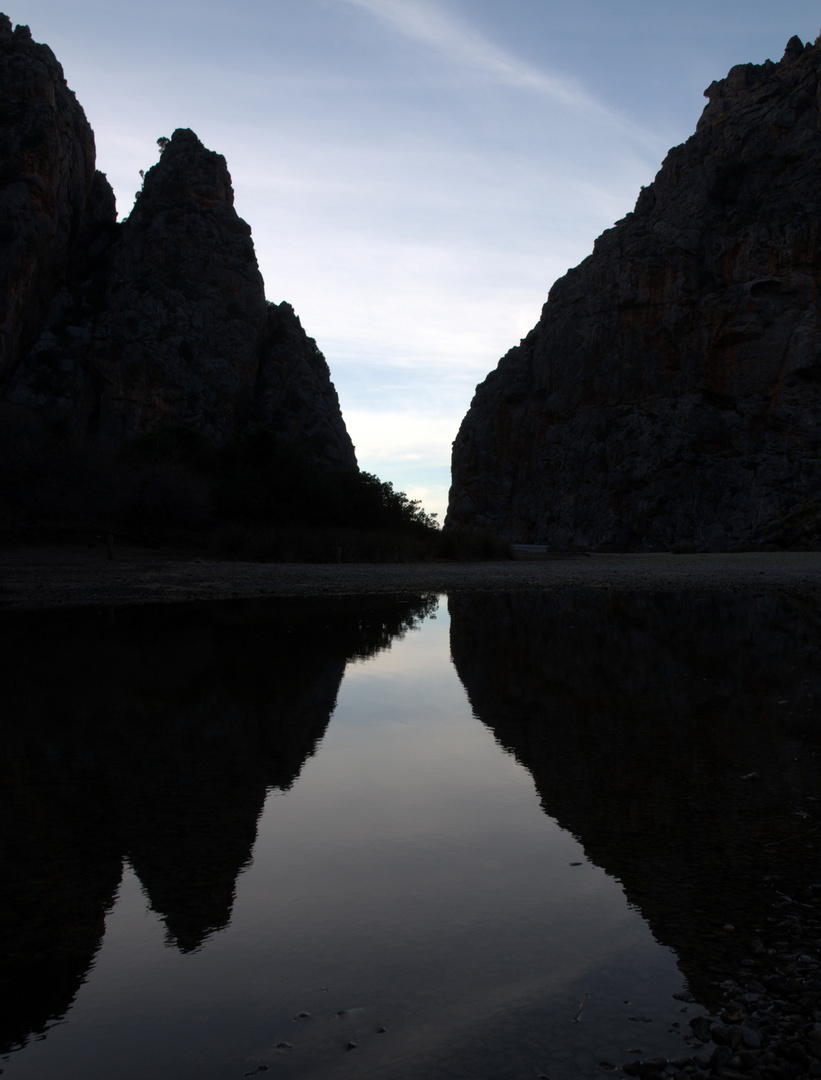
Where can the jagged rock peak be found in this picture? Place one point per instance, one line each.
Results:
(187, 174)
(122, 329)
(20, 31)
(794, 50)
(671, 391)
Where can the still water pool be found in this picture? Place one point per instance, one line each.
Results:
(390, 837)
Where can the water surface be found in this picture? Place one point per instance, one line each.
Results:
(361, 838)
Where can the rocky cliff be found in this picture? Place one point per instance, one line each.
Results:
(671, 391)
(125, 328)
(46, 176)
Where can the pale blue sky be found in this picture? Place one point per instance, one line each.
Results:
(416, 173)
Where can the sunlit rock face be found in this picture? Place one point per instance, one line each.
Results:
(676, 737)
(122, 329)
(670, 392)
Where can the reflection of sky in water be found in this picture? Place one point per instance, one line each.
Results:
(411, 878)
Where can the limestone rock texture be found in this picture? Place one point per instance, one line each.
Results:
(670, 393)
(125, 328)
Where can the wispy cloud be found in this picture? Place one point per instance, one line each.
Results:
(427, 23)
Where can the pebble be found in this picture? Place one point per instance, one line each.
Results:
(770, 1025)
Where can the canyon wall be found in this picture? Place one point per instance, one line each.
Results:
(118, 329)
(670, 393)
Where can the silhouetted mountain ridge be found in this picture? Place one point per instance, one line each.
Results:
(670, 392)
(121, 329)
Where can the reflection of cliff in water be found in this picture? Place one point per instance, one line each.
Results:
(639, 717)
(154, 734)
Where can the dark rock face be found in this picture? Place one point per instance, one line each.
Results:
(671, 391)
(46, 175)
(124, 329)
(294, 391)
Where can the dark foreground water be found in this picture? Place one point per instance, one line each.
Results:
(389, 838)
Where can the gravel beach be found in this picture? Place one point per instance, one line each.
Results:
(52, 577)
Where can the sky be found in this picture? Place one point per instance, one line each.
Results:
(416, 173)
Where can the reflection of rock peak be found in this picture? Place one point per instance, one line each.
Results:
(155, 734)
(637, 717)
